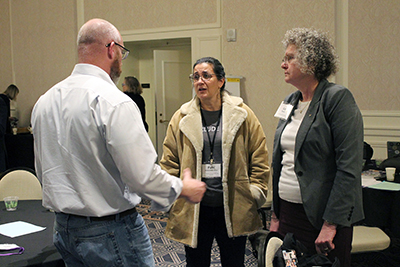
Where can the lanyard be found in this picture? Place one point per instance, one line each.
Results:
(20, 251)
(208, 134)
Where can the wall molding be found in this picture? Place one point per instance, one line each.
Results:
(381, 126)
(158, 33)
(380, 113)
(209, 45)
(183, 28)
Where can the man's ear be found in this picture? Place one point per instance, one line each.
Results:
(110, 50)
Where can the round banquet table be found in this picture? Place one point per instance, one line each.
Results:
(39, 248)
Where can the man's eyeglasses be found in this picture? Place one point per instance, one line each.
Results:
(125, 51)
(205, 76)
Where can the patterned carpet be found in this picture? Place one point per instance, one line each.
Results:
(171, 253)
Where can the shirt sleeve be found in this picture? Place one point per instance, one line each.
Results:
(135, 157)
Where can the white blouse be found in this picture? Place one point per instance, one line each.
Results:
(289, 188)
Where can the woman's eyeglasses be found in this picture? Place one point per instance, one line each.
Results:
(287, 59)
(205, 76)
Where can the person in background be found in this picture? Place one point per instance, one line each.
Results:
(221, 140)
(318, 151)
(3, 126)
(10, 93)
(133, 89)
(95, 165)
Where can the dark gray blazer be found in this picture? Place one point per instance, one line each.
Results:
(328, 156)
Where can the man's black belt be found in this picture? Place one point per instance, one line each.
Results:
(108, 217)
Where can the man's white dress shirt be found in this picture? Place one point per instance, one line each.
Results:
(92, 153)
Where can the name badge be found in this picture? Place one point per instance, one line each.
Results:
(283, 111)
(211, 170)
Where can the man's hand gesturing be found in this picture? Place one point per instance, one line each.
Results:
(192, 189)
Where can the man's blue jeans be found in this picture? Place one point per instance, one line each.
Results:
(120, 242)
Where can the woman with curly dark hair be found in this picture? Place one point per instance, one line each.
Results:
(318, 151)
(221, 140)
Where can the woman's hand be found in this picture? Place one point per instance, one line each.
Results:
(274, 226)
(324, 243)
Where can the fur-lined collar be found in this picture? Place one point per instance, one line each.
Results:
(233, 115)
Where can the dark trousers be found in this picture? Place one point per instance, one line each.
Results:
(212, 225)
(293, 219)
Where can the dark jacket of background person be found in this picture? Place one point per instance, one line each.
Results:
(138, 99)
(6, 102)
(328, 156)
(9, 94)
(3, 125)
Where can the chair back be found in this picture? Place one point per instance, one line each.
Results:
(21, 183)
(274, 243)
(369, 239)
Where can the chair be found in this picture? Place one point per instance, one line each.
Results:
(365, 239)
(368, 239)
(22, 183)
(17, 168)
(258, 240)
(273, 245)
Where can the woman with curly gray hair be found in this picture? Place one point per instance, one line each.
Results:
(318, 150)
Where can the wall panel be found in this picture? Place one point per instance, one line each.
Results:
(374, 37)
(44, 45)
(257, 53)
(38, 42)
(6, 67)
(137, 15)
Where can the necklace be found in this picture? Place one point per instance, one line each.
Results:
(305, 106)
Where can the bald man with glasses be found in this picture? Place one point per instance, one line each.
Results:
(95, 165)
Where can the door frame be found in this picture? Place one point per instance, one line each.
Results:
(204, 42)
(166, 61)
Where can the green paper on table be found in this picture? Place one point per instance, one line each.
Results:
(390, 186)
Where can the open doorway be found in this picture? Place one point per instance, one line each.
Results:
(163, 68)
